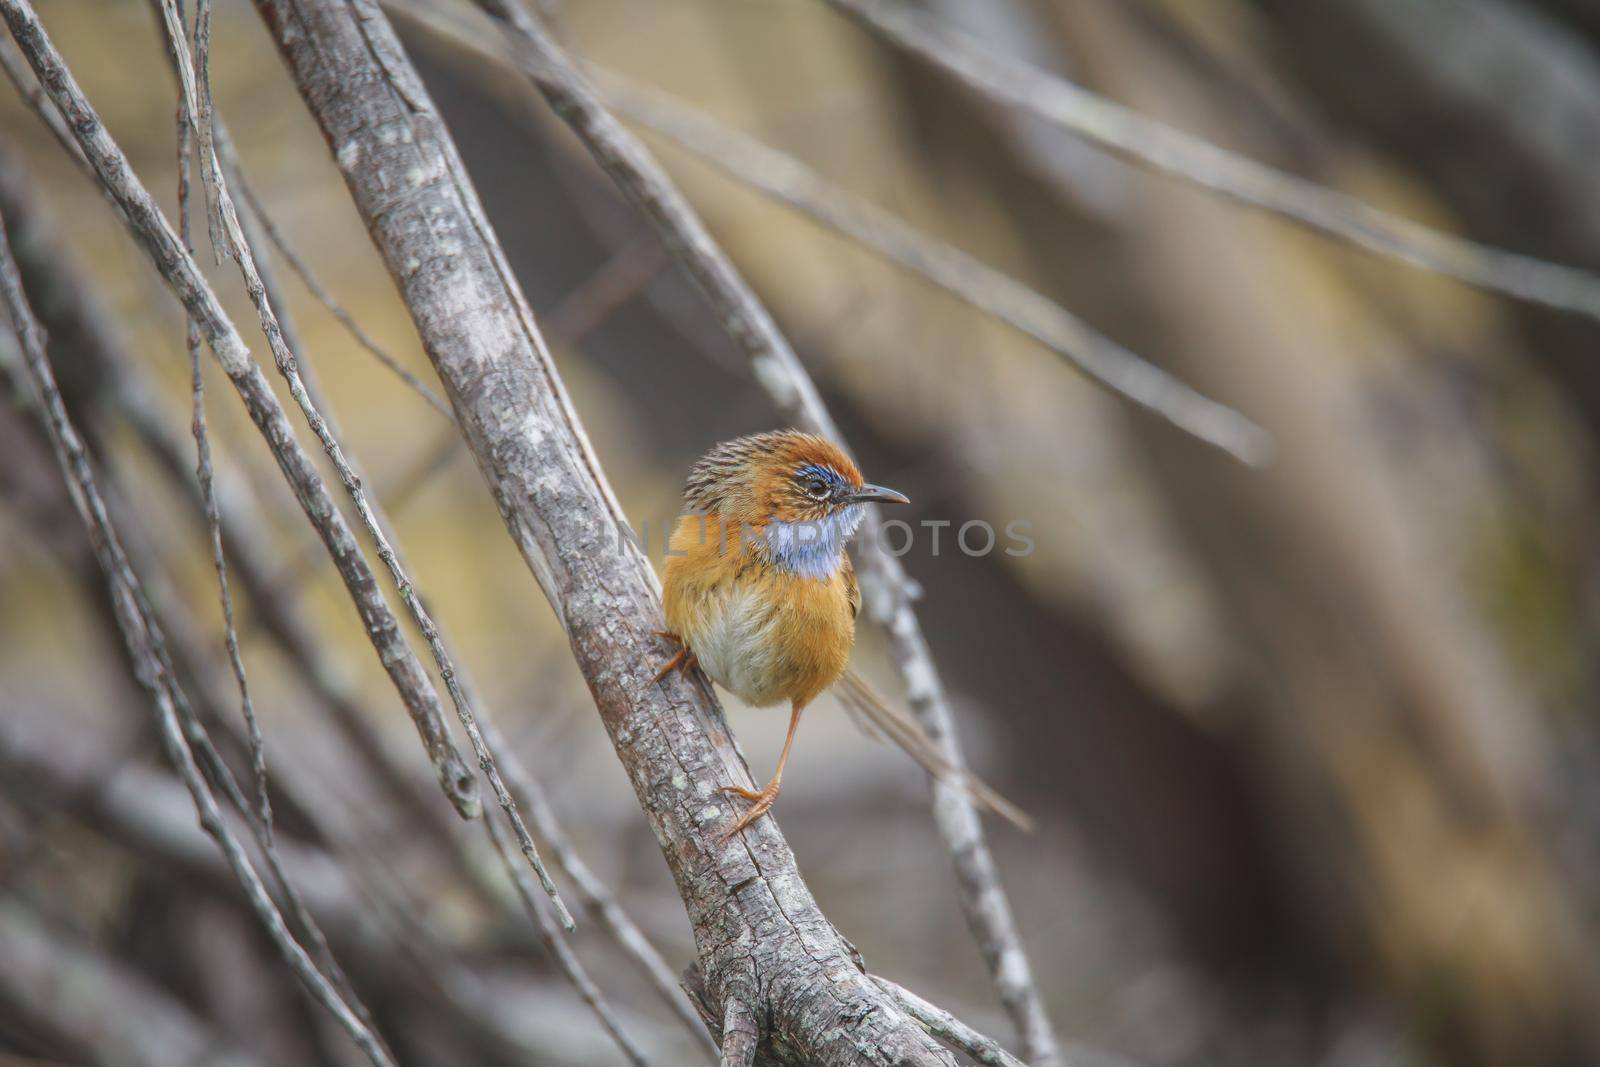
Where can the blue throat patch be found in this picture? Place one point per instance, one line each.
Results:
(813, 549)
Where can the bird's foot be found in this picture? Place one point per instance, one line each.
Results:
(761, 801)
(682, 661)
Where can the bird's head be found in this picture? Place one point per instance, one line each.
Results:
(802, 490)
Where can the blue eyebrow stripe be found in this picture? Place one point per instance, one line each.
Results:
(825, 473)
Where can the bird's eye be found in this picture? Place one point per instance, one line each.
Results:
(817, 489)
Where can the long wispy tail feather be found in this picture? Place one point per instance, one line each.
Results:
(879, 720)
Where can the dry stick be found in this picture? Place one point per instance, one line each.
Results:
(989, 290)
(145, 647)
(592, 890)
(126, 386)
(583, 309)
(588, 305)
(948, 1028)
(616, 281)
(303, 271)
(983, 899)
(1126, 133)
(151, 229)
(288, 366)
(757, 926)
(205, 477)
(644, 182)
(136, 397)
(560, 951)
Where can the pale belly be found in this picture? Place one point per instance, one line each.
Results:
(764, 654)
(738, 646)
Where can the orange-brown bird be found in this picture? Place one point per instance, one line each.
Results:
(759, 592)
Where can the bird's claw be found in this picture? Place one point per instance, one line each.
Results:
(761, 803)
(682, 661)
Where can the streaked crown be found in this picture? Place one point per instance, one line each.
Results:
(785, 474)
(801, 490)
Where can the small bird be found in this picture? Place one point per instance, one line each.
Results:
(759, 593)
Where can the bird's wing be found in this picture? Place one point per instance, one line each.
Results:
(852, 588)
(877, 719)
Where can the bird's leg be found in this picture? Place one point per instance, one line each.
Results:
(682, 661)
(763, 798)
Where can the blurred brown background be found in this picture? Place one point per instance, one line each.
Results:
(1312, 749)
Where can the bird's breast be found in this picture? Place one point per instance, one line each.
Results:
(767, 635)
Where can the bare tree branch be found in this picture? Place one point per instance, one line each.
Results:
(640, 177)
(144, 641)
(947, 1027)
(205, 475)
(152, 231)
(597, 898)
(288, 365)
(756, 925)
(1169, 151)
(991, 291)
(302, 270)
(643, 181)
(555, 944)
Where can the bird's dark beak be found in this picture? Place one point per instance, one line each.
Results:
(876, 493)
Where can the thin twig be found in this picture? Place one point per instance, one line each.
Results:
(152, 231)
(616, 281)
(597, 898)
(1125, 132)
(255, 206)
(755, 921)
(173, 22)
(955, 271)
(948, 1028)
(205, 476)
(641, 178)
(780, 373)
(561, 953)
(145, 646)
(288, 367)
